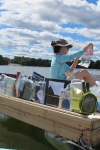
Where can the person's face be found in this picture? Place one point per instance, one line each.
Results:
(64, 49)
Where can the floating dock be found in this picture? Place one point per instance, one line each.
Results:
(61, 122)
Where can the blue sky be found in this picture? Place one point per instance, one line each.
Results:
(28, 27)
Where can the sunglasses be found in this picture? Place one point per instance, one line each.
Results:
(67, 48)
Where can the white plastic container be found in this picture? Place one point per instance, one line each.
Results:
(77, 84)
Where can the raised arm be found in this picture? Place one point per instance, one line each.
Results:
(73, 66)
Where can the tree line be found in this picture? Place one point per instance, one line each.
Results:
(40, 62)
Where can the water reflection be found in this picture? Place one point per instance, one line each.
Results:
(18, 135)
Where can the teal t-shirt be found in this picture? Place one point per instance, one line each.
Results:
(59, 66)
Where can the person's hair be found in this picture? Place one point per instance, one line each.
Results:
(56, 49)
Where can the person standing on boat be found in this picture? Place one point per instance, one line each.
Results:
(59, 69)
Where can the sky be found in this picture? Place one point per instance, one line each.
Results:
(27, 27)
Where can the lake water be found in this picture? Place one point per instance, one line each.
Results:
(27, 70)
(16, 134)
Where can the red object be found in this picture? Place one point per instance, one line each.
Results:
(18, 73)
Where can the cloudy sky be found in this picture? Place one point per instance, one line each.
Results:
(27, 27)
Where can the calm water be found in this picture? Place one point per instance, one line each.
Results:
(26, 70)
(16, 134)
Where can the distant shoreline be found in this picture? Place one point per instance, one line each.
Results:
(13, 64)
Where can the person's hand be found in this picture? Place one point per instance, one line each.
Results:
(78, 57)
(86, 46)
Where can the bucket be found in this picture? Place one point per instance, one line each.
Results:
(78, 89)
(76, 94)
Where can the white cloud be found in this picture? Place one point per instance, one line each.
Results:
(30, 26)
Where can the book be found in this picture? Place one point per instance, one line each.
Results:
(37, 77)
